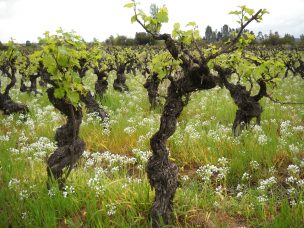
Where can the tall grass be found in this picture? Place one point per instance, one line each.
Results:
(107, 190)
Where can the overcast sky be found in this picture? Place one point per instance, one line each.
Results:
(28, 19)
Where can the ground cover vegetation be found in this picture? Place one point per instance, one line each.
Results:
(176, 126)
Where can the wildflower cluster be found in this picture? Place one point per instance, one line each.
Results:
(111, 209)
(265, 188)
(68, 190)
(260, 136)
(108, 160)
(141, 156)
(95, 182)
(221, 133)
(36, 151)
(294, 182)
(208, 173)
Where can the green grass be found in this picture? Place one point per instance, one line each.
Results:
(117, 194)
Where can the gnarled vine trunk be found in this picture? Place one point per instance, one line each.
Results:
(151, 84)
(92, 105)
(101, 84)
(88, 99)
(32, 87)
(120, 81)
(248, 106)
(161, 171)
(7, 105)
(23, 87)
(70, 146)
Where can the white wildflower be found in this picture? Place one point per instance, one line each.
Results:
(13, 182)
(129, 130)
(262, 199)
(51, 192)
(239, 195)
(4, 138)
(185, 178)
(111, 209)
(23, 194)
(246, 176)
(300, 183)
(254, 165)
(293, 169)
(291, 180)
(23, 215)
(65, 194)
(293, 148)
(262, 139)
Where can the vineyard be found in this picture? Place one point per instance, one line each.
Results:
(183, 133)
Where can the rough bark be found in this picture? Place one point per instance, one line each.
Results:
(151, 84)
(92, 105)
(248, 106)
(33, 86)
(7, 105)
(70, 146)
(162, 173)
(131, 67)
(23, 87)
(120, 81)
(44, 75)
(101, 84)
(88, 99)
(12, 76)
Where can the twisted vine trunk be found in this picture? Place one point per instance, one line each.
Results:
(300, 68)
(23, 87)
(131, 67)
(88, 99)
(120, 81)
(151, 85)
(92, 105)
(7, 105)
(70, 146)
(101, 84)
(162, 173)
(32, 87)
(248, 106)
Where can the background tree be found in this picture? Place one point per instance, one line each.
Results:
(143, 38)
(288, 39)
(260, 36)
(225, 32)
(153, 10)
(272, 39)
(209, 33)
(120, 40)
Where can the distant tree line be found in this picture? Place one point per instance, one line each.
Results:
(211, 36)
(274, 39)
(271, 39)
(141, 38)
